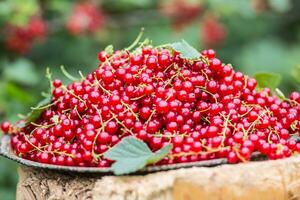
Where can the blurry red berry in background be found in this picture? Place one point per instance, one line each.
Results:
(19, 39)
(260, 6)
(213, 32)
(86, 17)
(37, 27)
(181, 12)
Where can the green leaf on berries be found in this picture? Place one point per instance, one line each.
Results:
(109, 49)
(186, 51)
(269, 80)
(131, 155)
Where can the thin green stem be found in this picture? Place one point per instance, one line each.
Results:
(136, 41)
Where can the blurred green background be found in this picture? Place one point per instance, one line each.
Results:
(253, 35)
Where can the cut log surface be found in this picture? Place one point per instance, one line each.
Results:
(266, 180)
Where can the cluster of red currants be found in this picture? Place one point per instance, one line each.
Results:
(213, 32)
(20, 39)
(86, 17)
(181, 12)
(202, 107)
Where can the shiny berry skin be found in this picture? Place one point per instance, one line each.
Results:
(57, 83)
(232, 157)
(162, 107)
(5, 126)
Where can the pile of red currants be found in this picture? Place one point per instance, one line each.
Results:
(201, 106)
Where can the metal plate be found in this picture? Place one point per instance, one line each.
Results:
(6, 151)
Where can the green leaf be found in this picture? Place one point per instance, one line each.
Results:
(21, 71)
(230, 8)
(22, 10)
(129, 146)
(132, 154)
(186, 50)
(109, 49)
(129, 165)
(18, 93)
(270, 80)
(280, 5)
(296, 73)
(160, 154)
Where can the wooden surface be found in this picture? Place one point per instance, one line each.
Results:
(266, 180)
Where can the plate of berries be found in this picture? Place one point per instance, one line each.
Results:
(148, 108)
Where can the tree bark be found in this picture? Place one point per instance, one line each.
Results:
(268, 180)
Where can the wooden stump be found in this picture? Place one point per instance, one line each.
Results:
(268, 180)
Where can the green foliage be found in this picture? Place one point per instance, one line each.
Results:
(17, 12)
(280, 5)
(186, 50)
(269, 80)
(109, 49)
(126, 5)
(296, 73)
(38, 110)
(21, 71)
(231, 7)
(269, 55)
(43, 104)
(132, 155)
(8, 179)
(14, 91)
